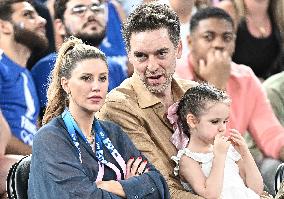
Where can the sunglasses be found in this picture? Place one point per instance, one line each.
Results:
(81, 10)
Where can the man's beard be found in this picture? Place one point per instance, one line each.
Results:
(90, 39)
(32, 40)
(158, 89)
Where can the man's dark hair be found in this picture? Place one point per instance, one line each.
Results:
(206, 13)
(152, 16)
(59, 9)
(6, 10)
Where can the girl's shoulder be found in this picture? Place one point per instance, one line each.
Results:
(198, 157)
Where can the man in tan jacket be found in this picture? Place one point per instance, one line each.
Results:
(139, 105)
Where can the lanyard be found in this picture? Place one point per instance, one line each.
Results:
(101, 139)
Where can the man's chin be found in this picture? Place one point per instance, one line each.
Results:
(156, 89)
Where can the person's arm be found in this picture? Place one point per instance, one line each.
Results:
(248, 168)
(263, 124)
(56, 166)
(211, 186)
(9, 143)
(139, 172)
(124, 115)
(16, 146)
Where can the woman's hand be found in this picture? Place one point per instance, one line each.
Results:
(238, 142)
(135, 167)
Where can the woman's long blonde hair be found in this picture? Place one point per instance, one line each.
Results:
(71, 52)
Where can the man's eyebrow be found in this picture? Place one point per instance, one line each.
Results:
(78, 5)
(162, 49)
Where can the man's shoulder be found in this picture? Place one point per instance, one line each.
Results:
(275, 82)
(185, 83)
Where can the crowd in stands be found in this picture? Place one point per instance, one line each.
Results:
(134, 61)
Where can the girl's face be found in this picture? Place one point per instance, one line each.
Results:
(87, 85)
(211, 122)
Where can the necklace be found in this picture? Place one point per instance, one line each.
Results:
(91, 137)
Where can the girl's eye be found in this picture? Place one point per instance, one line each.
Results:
(214, 121)
(226, 121)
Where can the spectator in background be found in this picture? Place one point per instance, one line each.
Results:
(85, 20)
(212, 41)
(231, 8)
(22, 31)
(274, 87)
(258, 42)
(6, 161)
(37, 55)
(113, 45)
(184, 10)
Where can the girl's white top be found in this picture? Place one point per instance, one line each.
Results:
(233, 184)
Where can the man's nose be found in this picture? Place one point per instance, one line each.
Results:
(219, 44)
(152, 63)
(41, 21)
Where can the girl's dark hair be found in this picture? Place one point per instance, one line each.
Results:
(195, 100)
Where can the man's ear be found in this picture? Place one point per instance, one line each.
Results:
(59, 27)
(6, 27)
(192, 121)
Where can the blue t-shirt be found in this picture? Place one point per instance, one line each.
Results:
(43, 67)
(18, 101)
(113, 44)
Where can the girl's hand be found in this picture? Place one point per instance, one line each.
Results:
(135, 167)
(238, 142)
(221, 144)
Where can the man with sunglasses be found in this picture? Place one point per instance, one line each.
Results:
(86, 20)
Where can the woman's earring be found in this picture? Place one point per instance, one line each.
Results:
(68, 94)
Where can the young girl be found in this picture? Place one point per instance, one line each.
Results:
(214, 164)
